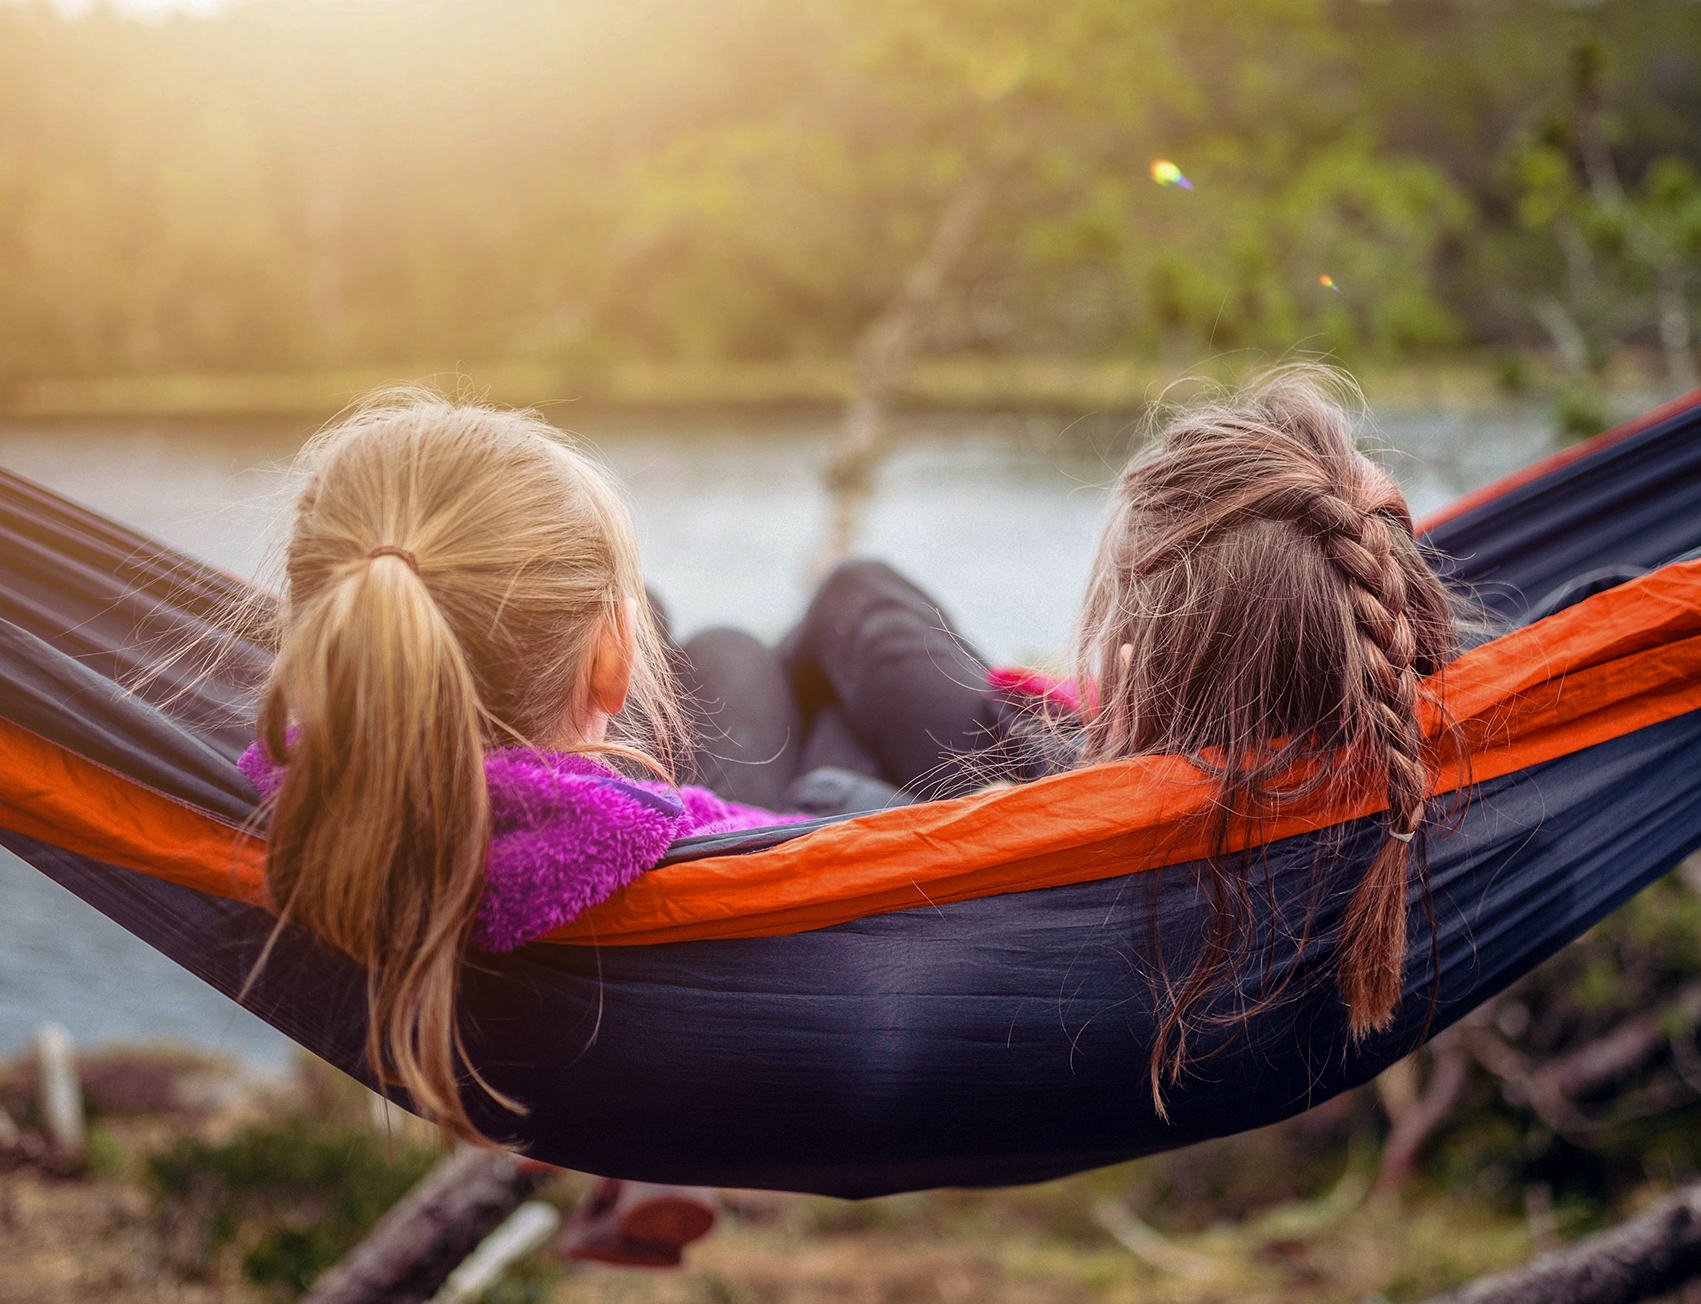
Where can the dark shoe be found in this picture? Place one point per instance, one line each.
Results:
(606, 1244)
(672, 1215)
(637, 1224)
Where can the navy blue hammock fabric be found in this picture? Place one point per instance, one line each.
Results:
(994, 1040)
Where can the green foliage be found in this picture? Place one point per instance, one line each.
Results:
(290, 185)
(1579, 411)
(1511, 371)
(291, 1195)
(106, 1155)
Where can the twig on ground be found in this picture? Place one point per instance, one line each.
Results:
(1150, 1245)
(528, 1227)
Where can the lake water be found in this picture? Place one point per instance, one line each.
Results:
(996, 515)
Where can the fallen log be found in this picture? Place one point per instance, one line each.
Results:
(1646, 1256)
(408, 1256)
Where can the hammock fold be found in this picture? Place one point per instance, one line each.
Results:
(956, 993)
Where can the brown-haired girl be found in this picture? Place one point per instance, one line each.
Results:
(1258, 604)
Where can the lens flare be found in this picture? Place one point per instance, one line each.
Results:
(1328, 283)
(1166, 173)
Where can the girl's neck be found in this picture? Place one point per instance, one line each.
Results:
(587, 727)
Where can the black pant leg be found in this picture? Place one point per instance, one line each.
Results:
(749, 731)
(831, 742)
(911, 689)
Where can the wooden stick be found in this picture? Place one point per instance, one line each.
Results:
(61, 1094)
(526, 1229)
(1649, 1255)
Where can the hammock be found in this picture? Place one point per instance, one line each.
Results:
(954, 993)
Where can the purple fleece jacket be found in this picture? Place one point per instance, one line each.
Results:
(567, 832)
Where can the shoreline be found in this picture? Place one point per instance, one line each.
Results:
(970, 382)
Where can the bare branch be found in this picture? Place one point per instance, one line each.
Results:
(1552, 1088)
(886, 351)
(1415, 1118)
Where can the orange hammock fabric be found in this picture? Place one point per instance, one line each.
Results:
(1613, 664)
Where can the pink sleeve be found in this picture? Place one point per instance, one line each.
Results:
(565, 842)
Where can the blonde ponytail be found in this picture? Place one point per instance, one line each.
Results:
(447, 576)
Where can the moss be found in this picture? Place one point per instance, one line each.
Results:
(292, 1195)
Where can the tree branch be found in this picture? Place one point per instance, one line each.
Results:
(1552, 1088)
(1416, 1116)
(1650, 1254)
(886, 351)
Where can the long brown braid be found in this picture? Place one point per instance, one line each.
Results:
(1360, 542)
(1259, 605)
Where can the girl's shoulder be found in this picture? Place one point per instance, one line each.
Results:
(707, 813)
(530, 785)
(567, 832)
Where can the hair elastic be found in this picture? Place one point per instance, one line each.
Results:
(391, 550)
(1402, 837)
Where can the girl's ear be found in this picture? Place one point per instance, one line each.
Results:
(611, 666)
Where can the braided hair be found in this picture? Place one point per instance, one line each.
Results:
(1259, 605)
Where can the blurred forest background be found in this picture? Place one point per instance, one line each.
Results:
(291, 185)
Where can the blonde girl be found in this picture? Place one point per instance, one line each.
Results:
(463, 650)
